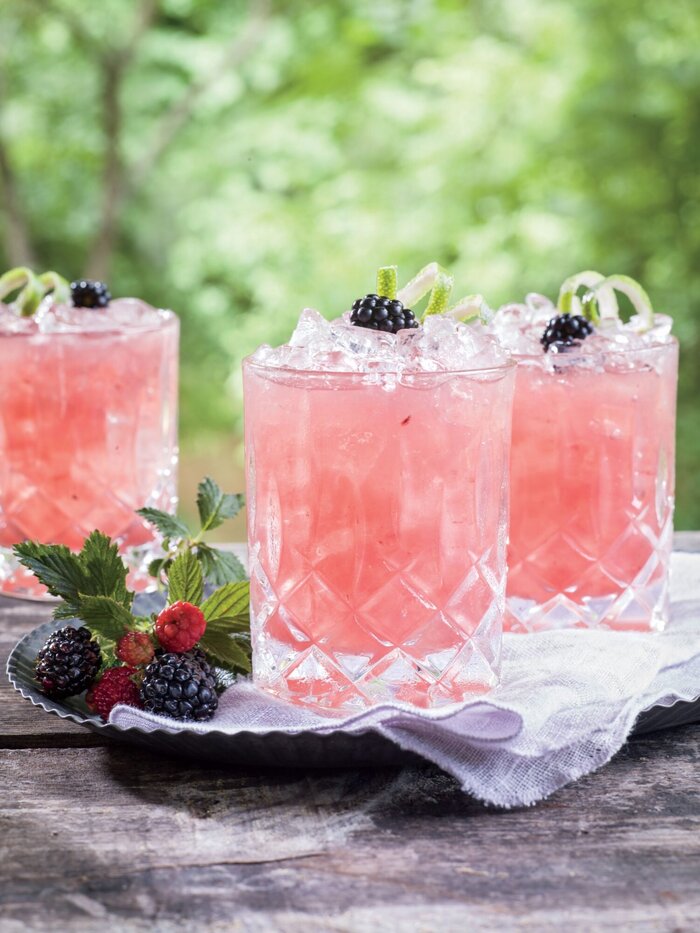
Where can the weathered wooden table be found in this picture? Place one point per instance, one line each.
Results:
(95, 835)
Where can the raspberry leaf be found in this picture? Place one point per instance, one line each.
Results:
(54, 565)
(105, 617)
(227, 652)
(168, 525)
(219, 566)
(105, 571)
(229, 606)
(214, 505)
(185, 580)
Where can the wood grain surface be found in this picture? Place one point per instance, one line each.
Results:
(95, 835)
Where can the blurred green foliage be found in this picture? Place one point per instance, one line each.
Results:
(240, 161)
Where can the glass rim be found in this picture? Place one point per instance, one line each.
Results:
(166, 318)
(248, 362)
(669, 341)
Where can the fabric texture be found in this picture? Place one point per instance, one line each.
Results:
(566, 704)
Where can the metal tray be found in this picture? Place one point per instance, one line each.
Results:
(273, 750)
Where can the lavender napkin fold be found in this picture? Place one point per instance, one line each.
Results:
(566, 704)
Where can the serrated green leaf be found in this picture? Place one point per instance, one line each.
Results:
(229, 604)
(104, 616)
(105, 571)
(185, 579)
(226, 651)
(156, 566)
(214, 505)
(220, 566)
(54, 565)
(169, 525)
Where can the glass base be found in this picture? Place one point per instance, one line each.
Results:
(18, 583)
(310, 680)
(634, 609)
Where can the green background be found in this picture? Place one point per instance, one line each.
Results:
(238, 162)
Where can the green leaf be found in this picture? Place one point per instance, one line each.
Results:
(54, 565)
(105, 571)
(214, 505)
(220, 566)
(185, 580)
(169, 525)
(104, 616)
(225, 650)
(230, 603)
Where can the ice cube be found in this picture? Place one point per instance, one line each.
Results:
(312, 331)
(13, 323)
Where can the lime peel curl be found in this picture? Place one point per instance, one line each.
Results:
(32, 288)
(387, 281)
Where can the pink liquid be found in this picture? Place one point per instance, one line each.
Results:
(592, 481)
(377, 522)
(88, 433)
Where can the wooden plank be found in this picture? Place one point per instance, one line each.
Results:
(101, 836)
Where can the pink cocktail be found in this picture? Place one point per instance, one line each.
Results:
(377, 523)
(88, 428)
(592, 479)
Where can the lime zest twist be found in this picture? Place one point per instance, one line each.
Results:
(440, 294)
(599, 302)
(431, 278)
(387, 281)
(55, 283)
(32, 288)
(470, 308)
(636, 294)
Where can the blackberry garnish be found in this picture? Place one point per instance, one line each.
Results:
(180, 686)
(387, 314)
(88, 294)
(566, 330)
(68, 663)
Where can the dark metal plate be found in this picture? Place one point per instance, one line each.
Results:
(275, 749)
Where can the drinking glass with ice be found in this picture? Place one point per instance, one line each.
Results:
(377, 460)
(88, 421)
(592, 462)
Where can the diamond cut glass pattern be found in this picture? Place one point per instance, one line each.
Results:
(377, 540)
(592, 492)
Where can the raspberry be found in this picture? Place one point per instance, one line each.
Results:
(180, 686)
(180, 626)
(68, 662)
(135, 649)
(566, 330)
(387, 314)
(115, 686)
(87, 294)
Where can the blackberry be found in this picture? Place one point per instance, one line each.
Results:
(181, 686)
(387, 314)
(68, 663)
(566, 330)
(88, 294)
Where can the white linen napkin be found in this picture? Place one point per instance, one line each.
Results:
(566, 704)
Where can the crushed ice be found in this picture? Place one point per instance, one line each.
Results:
(441, 345)
(49, 318)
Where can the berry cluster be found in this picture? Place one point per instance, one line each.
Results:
(387, 314)
(565, 330)
(174, 679)
(68, 662)
(181, 686)
(85, 293)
